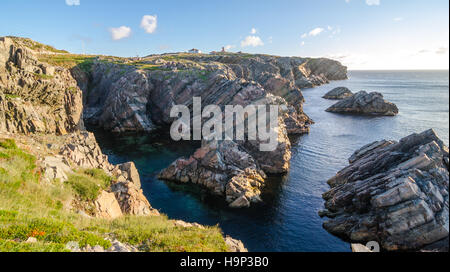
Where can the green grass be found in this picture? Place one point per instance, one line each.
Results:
(69, 61)
(31, 209)
(42, 76)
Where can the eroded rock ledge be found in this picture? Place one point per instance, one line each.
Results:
(395, 193)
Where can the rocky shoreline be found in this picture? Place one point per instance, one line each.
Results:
(41, 108)
(394, 193)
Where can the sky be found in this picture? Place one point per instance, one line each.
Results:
(362, 34)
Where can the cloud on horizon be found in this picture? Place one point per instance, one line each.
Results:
(149, 23)
(120, 32)
(253, 41)
(73, 2)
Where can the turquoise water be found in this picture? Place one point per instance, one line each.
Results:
(288, 220)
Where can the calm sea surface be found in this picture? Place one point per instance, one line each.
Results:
(288, 220)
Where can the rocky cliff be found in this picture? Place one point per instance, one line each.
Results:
(394, 193)
(36, 97)
(41, 93)
(138, 94)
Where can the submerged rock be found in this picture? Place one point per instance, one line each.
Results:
(338, 93)
(365, 103)
(395, 193)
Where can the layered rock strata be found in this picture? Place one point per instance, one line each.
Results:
(395, 193)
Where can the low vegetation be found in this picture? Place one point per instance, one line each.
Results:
(32, 208)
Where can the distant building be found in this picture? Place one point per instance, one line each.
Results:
(194, 51)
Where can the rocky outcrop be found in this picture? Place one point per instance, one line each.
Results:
(235, 245)
(107, 206)
(82, 150)
(338, 93)
(395, 193)
(36, 97)
(366, 104)
(138, 96)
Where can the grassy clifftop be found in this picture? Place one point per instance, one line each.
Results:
(32, 208)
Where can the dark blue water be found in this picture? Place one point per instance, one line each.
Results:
(288, 221)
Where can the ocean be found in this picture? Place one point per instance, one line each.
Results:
(288, 220)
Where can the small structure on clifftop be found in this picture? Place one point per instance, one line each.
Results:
(195, 51)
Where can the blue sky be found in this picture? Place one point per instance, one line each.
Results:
(363, 34)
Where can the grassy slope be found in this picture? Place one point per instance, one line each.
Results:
(29, 208)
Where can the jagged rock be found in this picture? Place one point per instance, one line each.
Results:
(395, 193)
(338, 93)
(117, 246)
(180, 223)
(132, 200)
(365, 103)
(235, 245)
(36, 97)
(132, 174)
(55, 168)
(107, 206)
(83, 151)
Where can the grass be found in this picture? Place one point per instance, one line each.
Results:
(31, 209)
(36, 45)
(69, 61)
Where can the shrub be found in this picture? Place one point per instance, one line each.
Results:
(85, 188)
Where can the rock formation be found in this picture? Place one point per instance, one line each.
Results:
(365, 103)
(395, 193)
(338, 93)
(137, 95)
(36, 97)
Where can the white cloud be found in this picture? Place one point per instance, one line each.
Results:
(228, 47)
(252, 41)
(302, 43)
(316, 31)
(253, 31)
(398, 19)
(373, 2)
(149, 23)
(73, 2)
(120, 32)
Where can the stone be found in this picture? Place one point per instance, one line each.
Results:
(55, 168)
(392, 192)
(31, 240)
(107, 206)
(338, 93)
(133, 175)
(366, 104)
(132, 200)
(234, 245)
(360, 248)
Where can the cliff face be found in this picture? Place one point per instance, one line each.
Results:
(41, 93)
(36, 97)
(138, 95)
(41, 100)
(395, 193)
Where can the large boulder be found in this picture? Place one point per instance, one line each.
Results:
(107, 206)
(338, 93)
(366, 104)
(395, 193)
